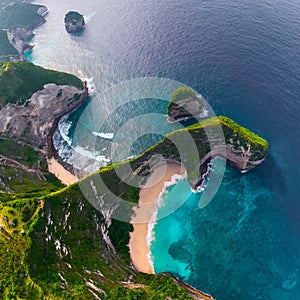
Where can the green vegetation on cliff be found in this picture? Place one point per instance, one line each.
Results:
(184, 103)
(23, 171)
(231, 129)
(19, 81)
(74, 21)
(182, 93)
(54, 243)
(6, 49)
(20, 14)
(56, 248)
(236, 136)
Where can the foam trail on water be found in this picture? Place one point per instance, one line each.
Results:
(103, 135)
(90, 85)
(64, 126)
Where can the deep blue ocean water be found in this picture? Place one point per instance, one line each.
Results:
(244, 58)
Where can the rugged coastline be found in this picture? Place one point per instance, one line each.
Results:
(184, 104)
(53, 231)
(19, 36)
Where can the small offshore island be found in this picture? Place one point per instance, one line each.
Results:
(56, 244)
(184, 104)
(74, 21)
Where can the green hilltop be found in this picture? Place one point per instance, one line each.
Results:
(19, 81)
(184, 103)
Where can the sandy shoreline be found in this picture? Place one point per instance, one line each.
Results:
(144, 212)
(60, 172)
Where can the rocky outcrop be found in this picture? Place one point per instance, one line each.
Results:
(38, 117)
(184, 104)
(74, 22)
(19, 36)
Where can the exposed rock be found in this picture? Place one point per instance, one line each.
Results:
(19, 36)
(184, 104)
(38, 117)
(242, 148)
(74, 21)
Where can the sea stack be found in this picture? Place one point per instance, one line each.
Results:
(184, 104)
(74, 21)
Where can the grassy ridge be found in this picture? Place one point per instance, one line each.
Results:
(239, 135)
(31, 264)
(19, 81)
(235, 128)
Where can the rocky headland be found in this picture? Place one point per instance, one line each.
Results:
(22, 19)
(36, 119)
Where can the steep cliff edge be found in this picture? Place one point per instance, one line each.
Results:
(35, 119)
(243, 149)
(29, 109)
(184, 104)
(81, 245)
(32, 99)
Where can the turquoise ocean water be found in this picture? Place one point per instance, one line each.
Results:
(244, 58)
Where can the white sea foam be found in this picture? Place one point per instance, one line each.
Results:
(157, 204)
(103, 135)
(64, 126)
(90, 85)
(62, 147)
(95, 155)
(203, 114)
(88, 18)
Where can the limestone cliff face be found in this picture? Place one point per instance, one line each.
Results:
(184, 104)
(243, 149)
(36, 119)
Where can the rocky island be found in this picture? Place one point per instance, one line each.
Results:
(74, 21)
(184, 104)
